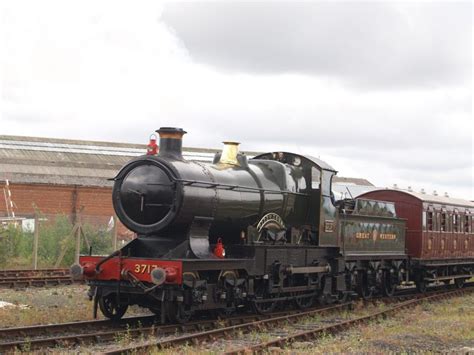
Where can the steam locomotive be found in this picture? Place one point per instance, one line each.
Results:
(245, 233)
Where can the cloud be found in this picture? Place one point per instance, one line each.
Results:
(366, 44)
(116, 71)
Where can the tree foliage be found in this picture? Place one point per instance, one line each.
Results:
(16, 245)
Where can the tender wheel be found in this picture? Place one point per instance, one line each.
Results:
(304, 301)
(421, 286)
(388, 284)
(363, 288)
(109, 307)
(459, 282)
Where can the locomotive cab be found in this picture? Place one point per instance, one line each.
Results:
(318, 208)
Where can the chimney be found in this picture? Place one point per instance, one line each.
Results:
(410, 189)
(395, 186)
(446, 194)
(423, 191)
(435, 193)
(229, 153)
(171, 142)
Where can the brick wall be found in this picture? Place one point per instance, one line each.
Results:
(53, 199)
(96, 202)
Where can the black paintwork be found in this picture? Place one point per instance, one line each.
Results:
(180, 208)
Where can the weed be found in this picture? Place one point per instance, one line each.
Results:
(16, 248)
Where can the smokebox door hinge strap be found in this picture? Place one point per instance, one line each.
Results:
(199, 238)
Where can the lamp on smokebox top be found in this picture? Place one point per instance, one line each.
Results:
(152, 148)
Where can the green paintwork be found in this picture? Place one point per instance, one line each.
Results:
(372, 235)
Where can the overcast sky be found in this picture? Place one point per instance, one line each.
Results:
(379, 90)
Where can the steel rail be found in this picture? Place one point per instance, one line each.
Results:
(91, 337)
(39, 277)
(133, 327)
(32, 272)
(339, 326)
(214, 334)
(37, 281)
(47, 329)
(227, 332)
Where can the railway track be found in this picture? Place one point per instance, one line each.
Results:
(32, 272)
(67, 335)
(234, 331)
(100, 331)
(316, 331)
(40, 277)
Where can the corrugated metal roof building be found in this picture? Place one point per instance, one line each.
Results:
(344, 187)
(34, 160)
(62, 176)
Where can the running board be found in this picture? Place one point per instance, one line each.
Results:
(430, 279)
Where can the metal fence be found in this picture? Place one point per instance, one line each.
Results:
(56, 240)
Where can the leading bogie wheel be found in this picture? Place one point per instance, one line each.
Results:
(156, 311)
(110, 308)
(178, 312)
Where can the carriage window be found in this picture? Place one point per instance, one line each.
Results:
(315, 178)
(466, 223)
(429, 220)
(443, 221)
(455, 222)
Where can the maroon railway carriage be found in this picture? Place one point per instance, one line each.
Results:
(440, 234)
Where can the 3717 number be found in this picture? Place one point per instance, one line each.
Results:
(144, 268)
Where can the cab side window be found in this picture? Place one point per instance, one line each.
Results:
(315, 178)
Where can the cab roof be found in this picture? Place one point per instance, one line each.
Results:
(322, 165)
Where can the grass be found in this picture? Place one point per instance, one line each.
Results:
(442, 326)
(59, 304)
(445, 326)
(45, 305)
